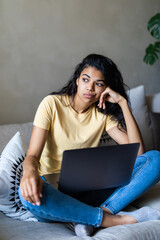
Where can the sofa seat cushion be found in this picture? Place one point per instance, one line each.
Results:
(18, 230)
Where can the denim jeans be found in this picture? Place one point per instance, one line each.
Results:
(85, 207)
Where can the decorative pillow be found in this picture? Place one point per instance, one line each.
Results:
(11, 161)
(106, 140)
(155, 121)
(153, 102)
(141, 114)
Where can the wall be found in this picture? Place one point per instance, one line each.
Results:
(43, 40)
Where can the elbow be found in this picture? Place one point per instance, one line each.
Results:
(141, 149)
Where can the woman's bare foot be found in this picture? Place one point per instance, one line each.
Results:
(110, 220)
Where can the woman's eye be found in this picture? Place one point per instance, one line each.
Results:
(85, 80)
(100, 84)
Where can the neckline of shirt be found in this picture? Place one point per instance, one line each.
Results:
(74, 112)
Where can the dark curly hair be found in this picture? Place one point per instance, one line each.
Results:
(112, 77)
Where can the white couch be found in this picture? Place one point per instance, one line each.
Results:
(142, 105)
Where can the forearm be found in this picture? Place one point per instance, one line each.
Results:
(30, 164)
(31, 183)
(133, 131)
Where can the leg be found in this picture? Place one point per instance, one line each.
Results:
(56, 206)
(146, 173)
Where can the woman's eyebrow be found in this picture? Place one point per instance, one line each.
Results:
(98, 80)
(86, 75)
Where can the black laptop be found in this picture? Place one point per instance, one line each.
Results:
(97, 168)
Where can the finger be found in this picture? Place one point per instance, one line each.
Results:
(36, 194)
(26, 195)
(101, 100)
(21, 190)
(30, 193)
(27, 192)
(103, 96)
(40, 188)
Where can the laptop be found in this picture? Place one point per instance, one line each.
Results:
(97, 168)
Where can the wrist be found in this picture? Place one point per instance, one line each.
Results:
(30, 167)
(30, 170)
(122, 102)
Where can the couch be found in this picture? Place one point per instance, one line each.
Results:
(146, 110)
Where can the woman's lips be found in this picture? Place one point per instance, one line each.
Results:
(89, 95)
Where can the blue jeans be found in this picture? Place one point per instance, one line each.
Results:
(85, 207)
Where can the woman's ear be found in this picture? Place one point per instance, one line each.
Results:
(77, 81)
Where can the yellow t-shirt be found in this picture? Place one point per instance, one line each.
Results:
(67, 129)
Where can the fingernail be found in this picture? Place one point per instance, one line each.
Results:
(38, 203)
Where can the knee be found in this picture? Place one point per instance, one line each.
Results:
(153, 156)
(154, 161)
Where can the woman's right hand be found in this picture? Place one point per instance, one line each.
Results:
(31, 183)
(31, 187)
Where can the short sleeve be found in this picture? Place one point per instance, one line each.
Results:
(44, 113)
(110, 122)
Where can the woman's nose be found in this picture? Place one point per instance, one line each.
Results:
(90, 87)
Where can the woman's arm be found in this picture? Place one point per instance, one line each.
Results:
(31, 183)
(132, 134)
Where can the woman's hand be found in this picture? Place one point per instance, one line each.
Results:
(132, 135)
(111, 96)
(31, 187)
(31, 182)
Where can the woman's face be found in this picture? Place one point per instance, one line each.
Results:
(90, 85)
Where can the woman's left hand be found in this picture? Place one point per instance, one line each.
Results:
(109, 95)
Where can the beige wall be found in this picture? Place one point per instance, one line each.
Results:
(42, 41)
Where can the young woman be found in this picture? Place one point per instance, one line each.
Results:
(93, 101)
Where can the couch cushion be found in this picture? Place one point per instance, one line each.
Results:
(17, 230)
(7, 131)
(155, 122)
(153, 102)
(11, 229)
(11, 162)
(141, 114)
(106, 140)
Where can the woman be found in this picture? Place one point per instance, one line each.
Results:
(94, 100)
